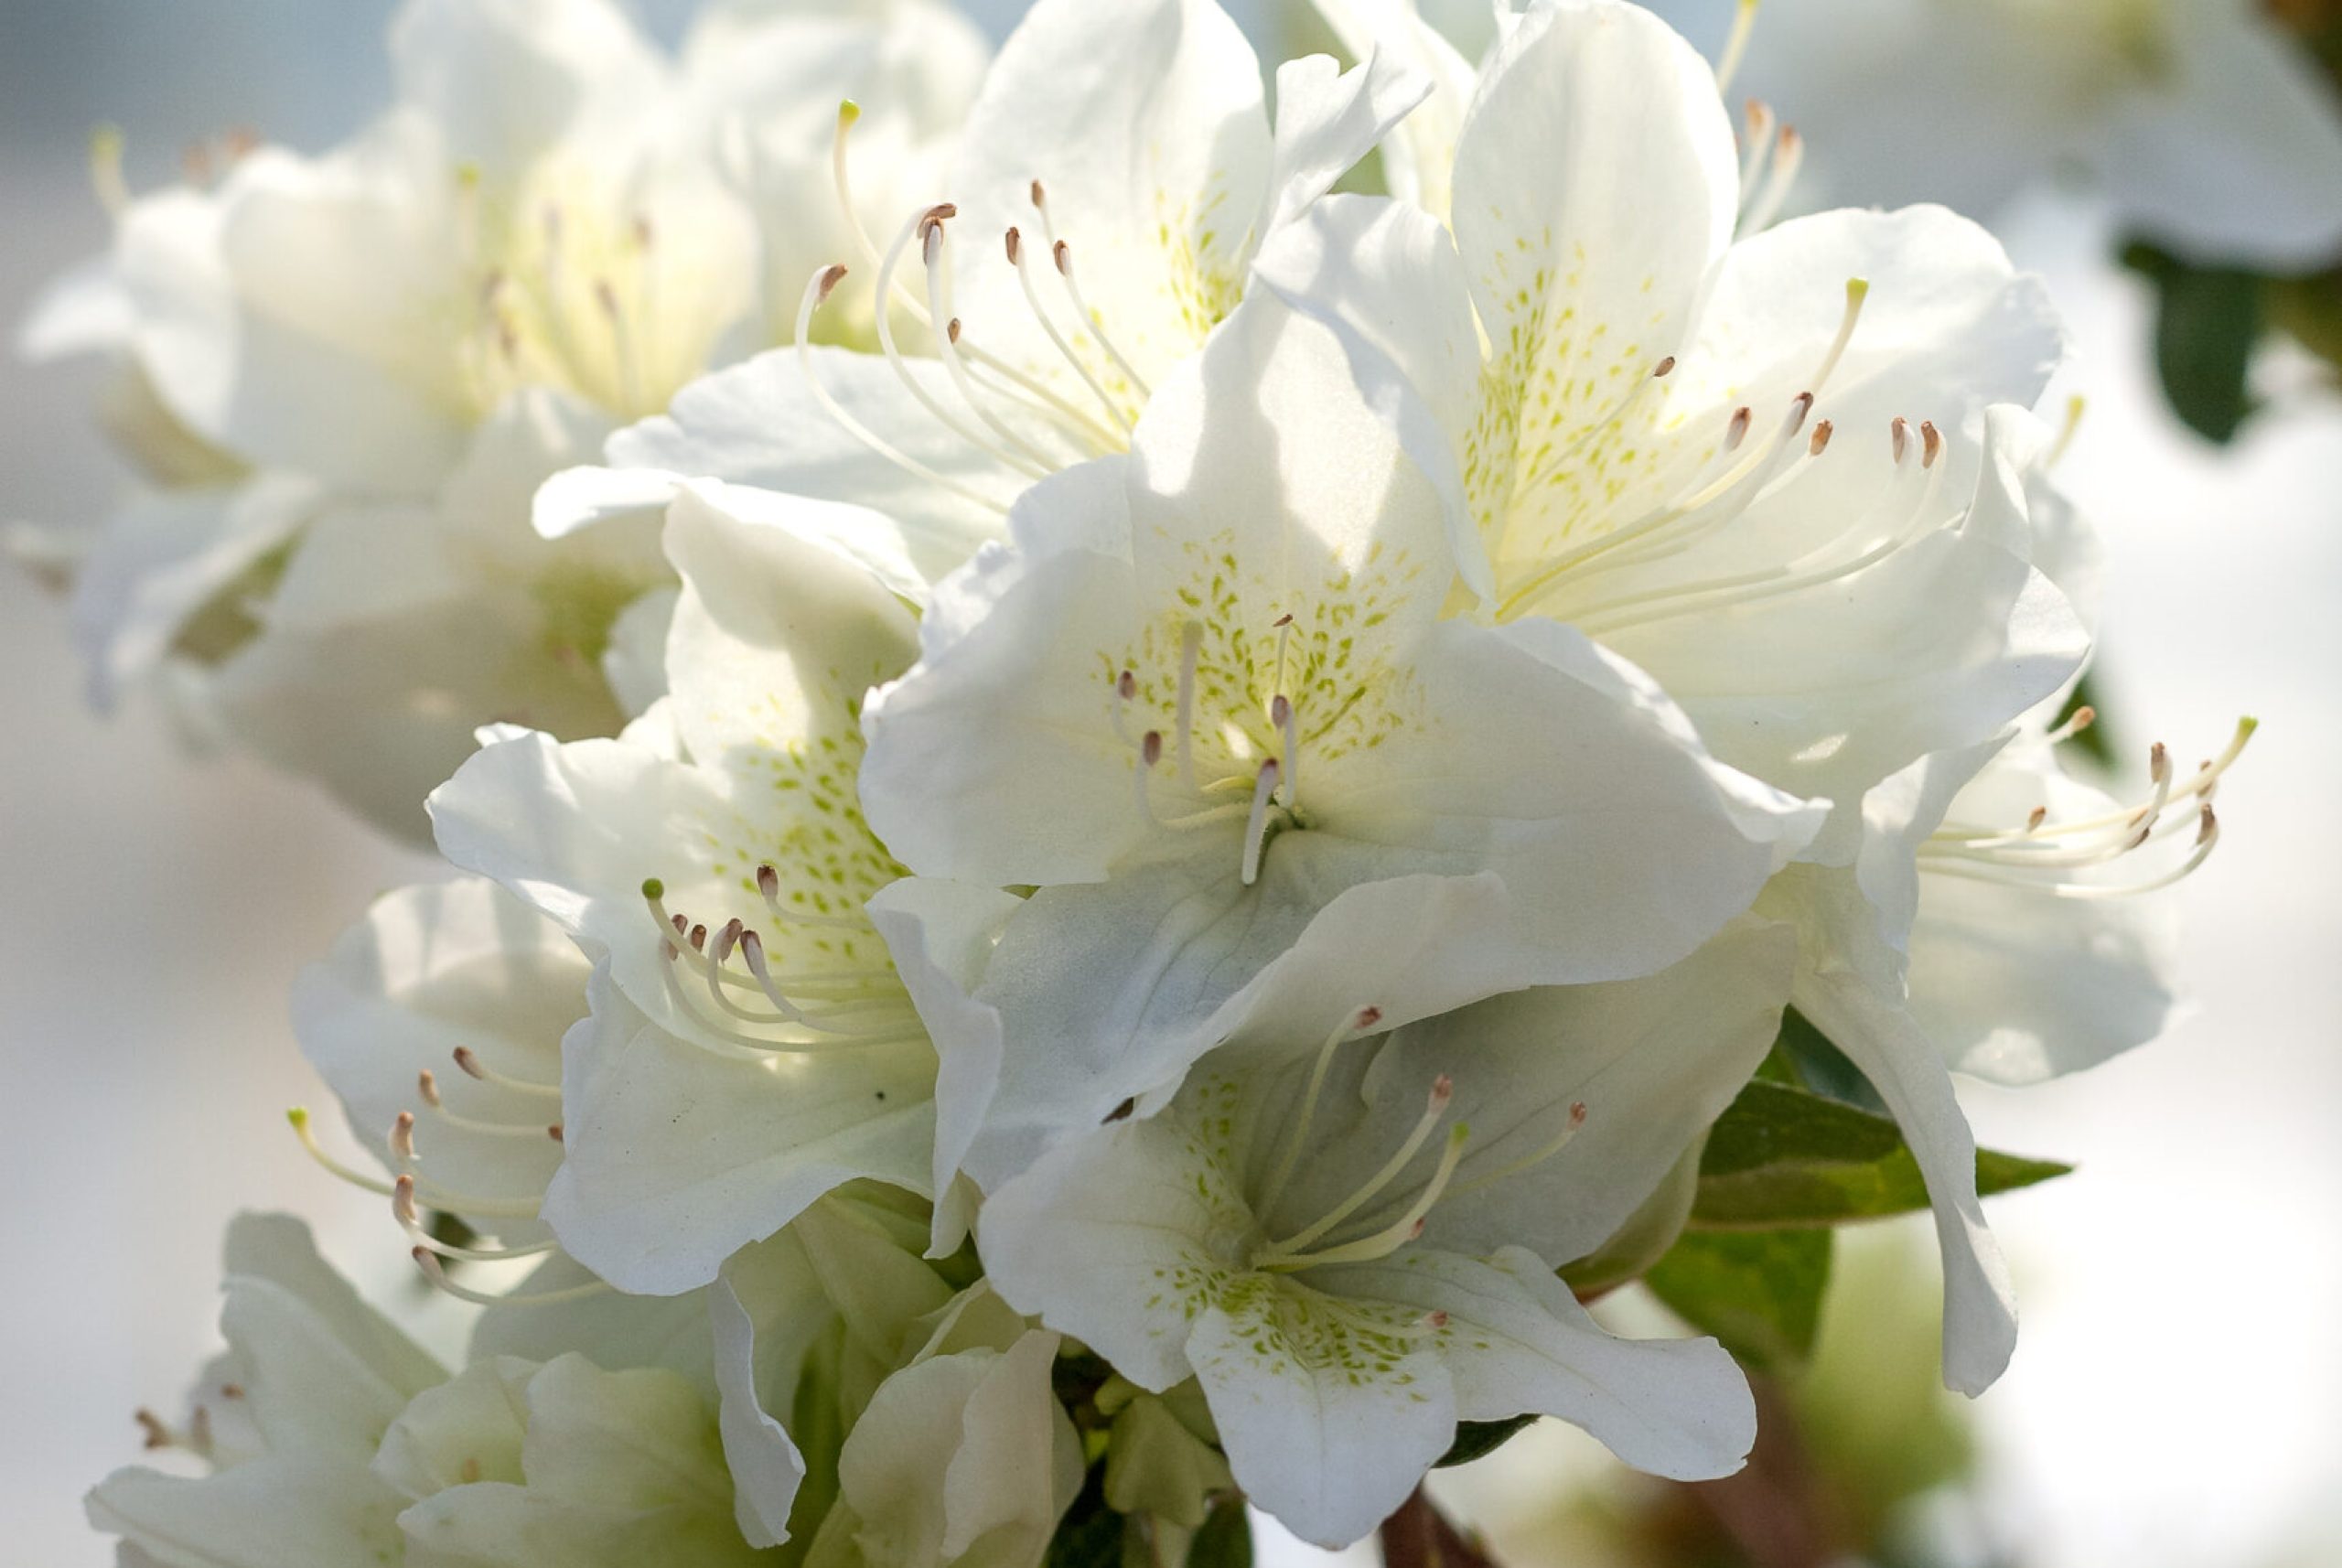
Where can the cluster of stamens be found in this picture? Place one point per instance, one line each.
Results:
(2045, 855)
(1322, 1241)
(1013, 418)
(803, 1014)
(1274, 783)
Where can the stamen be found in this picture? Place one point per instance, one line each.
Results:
(1822, 431)
(1735, 47)
(1126, 692)
(935, 253)
(1552, 1146)
(622, 346)
(920, 224)
(1757, 145)
(468, 1060)
(1150, 752)
(1256, 826)
(848, 112)
(816, 292)
(1049, 326)
(1281, 714)
(1409, 1226)
(1443, 1089)
(428, 1262)
(1789, 156)
(1349, 1028)
(1062, 254)
(403, 1209)
(298, 1116)
(1857, 294)
(768, 886)
(2080, 720)
(1735, 432)
(106, 179)
(2075, 407)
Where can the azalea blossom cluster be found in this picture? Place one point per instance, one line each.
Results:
(1120, 818)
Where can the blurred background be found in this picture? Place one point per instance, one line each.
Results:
(2176, 1399)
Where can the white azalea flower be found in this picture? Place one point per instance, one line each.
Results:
(1116, 175)
(378, 354)
(2208, 126)
(332, 1440)
(1353, 1247)
(1779, 475)
(753, 1042)
(1204, 702)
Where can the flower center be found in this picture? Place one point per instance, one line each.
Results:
(1331, 1238)
(1014, 418)
(806, 1011)
(564, 294)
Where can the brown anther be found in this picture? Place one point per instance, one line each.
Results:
(1150, 747)
(231, 1390)
(2033, 819)
(1663, 367)
(934, 217)
(1443, 1089)
(682, 924)
(768, 881)
(1126, 685)
(1799, 406)
(2208, 825)
(1821, 438)
(1899, 433)
(1577, 1114)
(952, 330)
(606, 296)
(1062, 254)
(1931, 444)
(699, 938)
(832, 275)
(239, 142)
(470, 1471)
(1040, 197)
(554, 1133)
(1120, 1112)
(645, 236)
(426, 1083)
(403, 1199)
(1367, 1018)
(1436, 1318)
(1015, 245)
(2158, 762)
(402, 1134)
(158, 1436)
(1415, 1231)
(2085, 717)
(1789, 139)
(1285, 620)
(1737, 430)
(469, 1063)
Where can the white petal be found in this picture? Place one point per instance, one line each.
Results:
(506, 77)
(287, 1510)
(941, 934)
(162, 558)
(1847, 985)
(1110, 1238)
(1327, 1434)
(84, 310)
(677, 1157)
(759, 423)
(1419, 162)
(1518, 1341)
(1326, 120)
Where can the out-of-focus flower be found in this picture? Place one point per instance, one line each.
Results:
(2206, 124)
(348, 373)
(331, 1439)
(1204, 701)
(1118, 173)
(1272, 1232)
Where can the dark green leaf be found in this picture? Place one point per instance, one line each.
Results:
(1224, 1537)
(2207, 320)
(1758, 1292)
(1475, 1439)
(1783, 1156)
(1090, 1534)
(1813, 1062)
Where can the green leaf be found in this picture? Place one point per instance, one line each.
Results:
(1758, 1292)
(1477, 1439)
(1224, 1537)
(1780, 1156)
(2207, 321)
(1090, 1534)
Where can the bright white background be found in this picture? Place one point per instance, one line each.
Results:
(2177, 1397)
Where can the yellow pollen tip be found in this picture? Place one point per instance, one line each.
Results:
(298, 1117)
(848, 112)
(1857, 290)
(653, 888)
